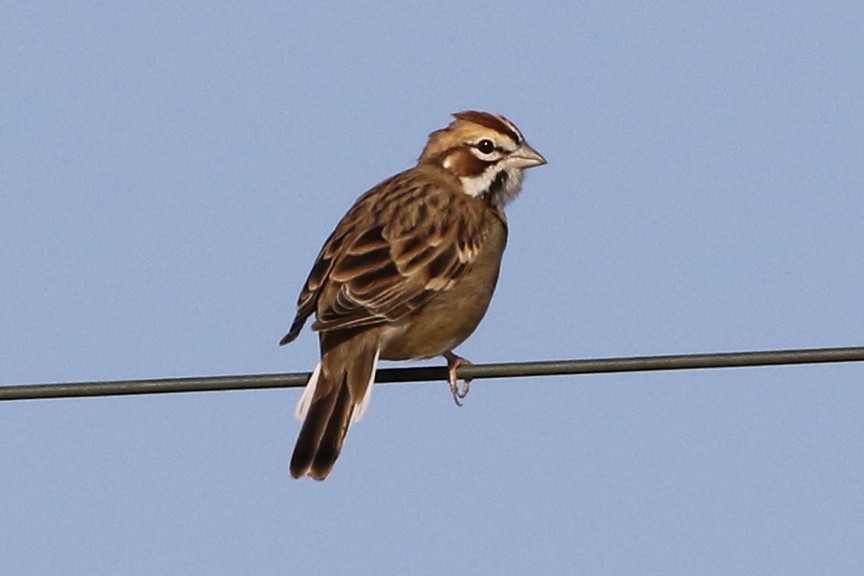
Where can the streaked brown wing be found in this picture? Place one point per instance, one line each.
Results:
(400, 244)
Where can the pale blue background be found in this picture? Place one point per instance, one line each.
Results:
(169, 170)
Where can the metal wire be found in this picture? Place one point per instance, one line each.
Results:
(475, 371)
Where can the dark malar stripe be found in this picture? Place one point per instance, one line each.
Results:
(496, 187)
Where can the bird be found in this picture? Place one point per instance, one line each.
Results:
(407, 274)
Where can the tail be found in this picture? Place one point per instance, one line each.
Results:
(337, 395)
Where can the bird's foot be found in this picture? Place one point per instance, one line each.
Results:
(453, 363)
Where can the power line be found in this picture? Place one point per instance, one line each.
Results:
(426, 374)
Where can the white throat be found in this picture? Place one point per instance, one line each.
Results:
(502, 188)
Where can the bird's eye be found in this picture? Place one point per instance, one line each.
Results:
(486, 146)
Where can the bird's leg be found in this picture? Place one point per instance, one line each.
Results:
(453, 363)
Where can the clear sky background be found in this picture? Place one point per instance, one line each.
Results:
(168, 172)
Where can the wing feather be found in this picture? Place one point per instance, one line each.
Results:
(406, 240)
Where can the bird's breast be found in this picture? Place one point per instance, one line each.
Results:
(451, 316)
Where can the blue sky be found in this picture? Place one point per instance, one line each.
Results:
(169, 171)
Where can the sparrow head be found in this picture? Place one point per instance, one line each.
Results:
(487, 152)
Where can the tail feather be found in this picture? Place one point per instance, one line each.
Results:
(320, 413)
(334, 435)
(336, 396)
(308, 393)
(362, 404)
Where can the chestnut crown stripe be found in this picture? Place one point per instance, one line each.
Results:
(497, 123)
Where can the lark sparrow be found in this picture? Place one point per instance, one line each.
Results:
(408, 273)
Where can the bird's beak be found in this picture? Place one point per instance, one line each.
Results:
(527, 157)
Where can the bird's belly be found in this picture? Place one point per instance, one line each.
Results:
(451, 316)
